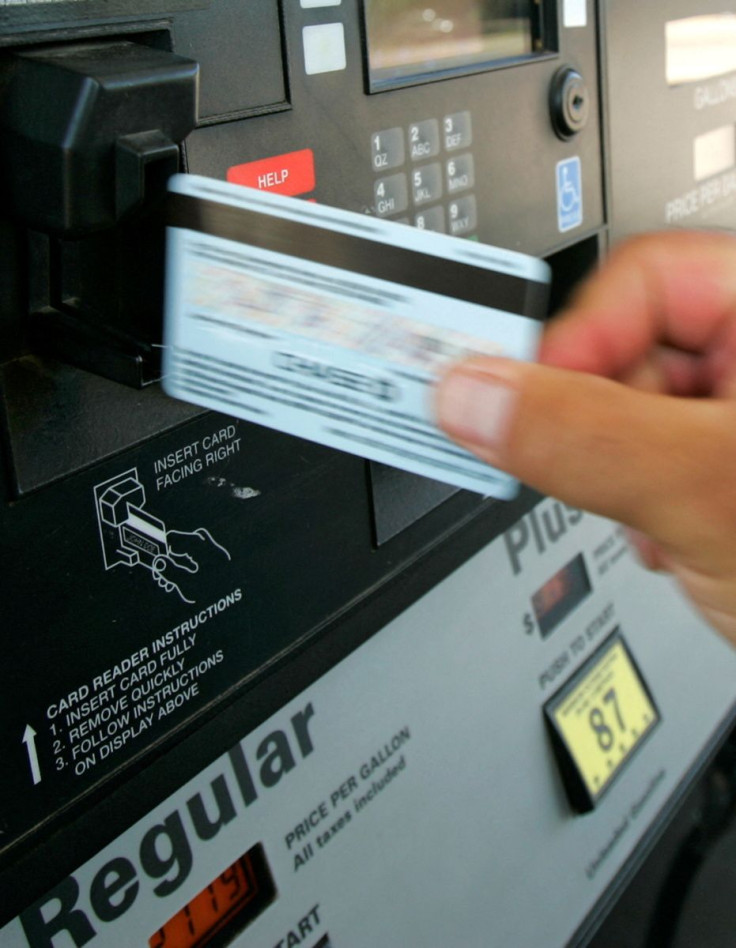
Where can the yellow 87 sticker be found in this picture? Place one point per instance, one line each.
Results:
(598, 719)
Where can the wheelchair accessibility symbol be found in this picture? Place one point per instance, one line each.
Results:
(569, 194)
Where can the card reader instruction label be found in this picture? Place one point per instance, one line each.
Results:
(169, 567)
(118, 706)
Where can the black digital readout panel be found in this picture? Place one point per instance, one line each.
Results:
(562, 593)
(224, 908)
(412, 40)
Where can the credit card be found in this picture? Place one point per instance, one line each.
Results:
(334, 326)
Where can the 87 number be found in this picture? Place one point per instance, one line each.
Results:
(599, 723)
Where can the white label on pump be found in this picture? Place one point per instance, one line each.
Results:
(575, 13)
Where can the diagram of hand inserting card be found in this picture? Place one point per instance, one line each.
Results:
(132, 536)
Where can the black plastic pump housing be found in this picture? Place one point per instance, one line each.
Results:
(89, 136)
(80, 122)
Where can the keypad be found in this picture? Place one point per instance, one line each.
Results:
(432, 219)
(460, 173)
(426, 184)
(463, 216)
(390, 195)
(439, 191)
(387, 149)
(424, 140)
(458, 131)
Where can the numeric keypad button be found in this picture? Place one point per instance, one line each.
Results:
(387, 149)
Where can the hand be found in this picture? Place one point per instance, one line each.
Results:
(191, 552)
(632, 414)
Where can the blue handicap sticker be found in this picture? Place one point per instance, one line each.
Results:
(569, 194)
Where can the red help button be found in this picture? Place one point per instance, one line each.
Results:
(292, 173)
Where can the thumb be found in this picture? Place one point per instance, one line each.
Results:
(592, 442)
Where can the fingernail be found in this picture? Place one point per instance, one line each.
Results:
(475, 408)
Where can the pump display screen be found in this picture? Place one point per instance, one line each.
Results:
(700, 47)
(226, 906)
(413, 39)
(562, 593)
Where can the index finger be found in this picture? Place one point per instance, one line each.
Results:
(676, 289)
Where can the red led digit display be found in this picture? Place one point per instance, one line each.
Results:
(562, 593)
(237, 895)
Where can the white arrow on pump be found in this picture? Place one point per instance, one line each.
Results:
(29, 739)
